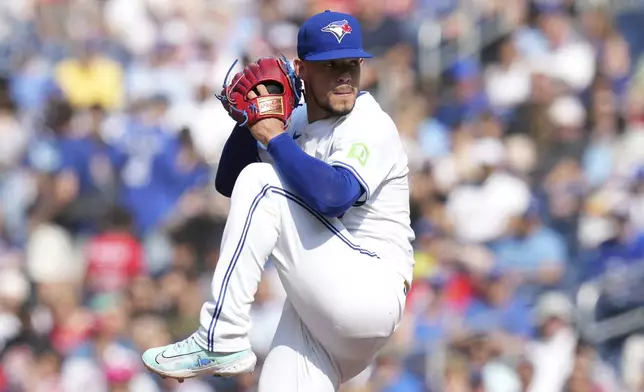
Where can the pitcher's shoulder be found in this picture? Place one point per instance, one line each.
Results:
(371, 120)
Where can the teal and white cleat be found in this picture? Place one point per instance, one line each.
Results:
(186, 359)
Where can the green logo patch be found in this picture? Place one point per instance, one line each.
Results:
(360, 152)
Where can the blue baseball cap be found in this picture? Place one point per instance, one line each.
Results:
(330, 36)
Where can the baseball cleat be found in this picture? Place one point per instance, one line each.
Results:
(186, 359)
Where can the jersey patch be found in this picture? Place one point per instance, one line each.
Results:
(360, 152)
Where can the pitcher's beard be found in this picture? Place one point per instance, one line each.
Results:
(327, 107)
(336, 112)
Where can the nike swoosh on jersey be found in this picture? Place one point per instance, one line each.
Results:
(162, 359)
(296, 136)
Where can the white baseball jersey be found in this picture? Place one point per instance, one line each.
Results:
(367, 143)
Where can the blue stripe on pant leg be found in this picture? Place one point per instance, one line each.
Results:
(291, 196)
(231, 267)
(240, 245)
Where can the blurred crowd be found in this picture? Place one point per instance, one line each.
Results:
(524, 125)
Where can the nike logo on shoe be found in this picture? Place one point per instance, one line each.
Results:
(161, 359)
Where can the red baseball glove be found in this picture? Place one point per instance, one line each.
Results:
(277, 76)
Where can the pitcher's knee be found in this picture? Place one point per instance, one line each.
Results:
(257, 175)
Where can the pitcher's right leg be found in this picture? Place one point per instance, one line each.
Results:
(221, 346)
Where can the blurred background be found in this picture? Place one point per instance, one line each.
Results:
(524, 125)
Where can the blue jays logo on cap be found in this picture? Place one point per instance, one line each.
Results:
(330, 36)
(339, 29)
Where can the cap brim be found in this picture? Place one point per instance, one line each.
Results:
(339, 54)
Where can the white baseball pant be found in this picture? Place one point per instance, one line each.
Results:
(343, 301)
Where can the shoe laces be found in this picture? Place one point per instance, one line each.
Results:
(178, 346)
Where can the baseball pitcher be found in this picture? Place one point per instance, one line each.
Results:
(322, 189)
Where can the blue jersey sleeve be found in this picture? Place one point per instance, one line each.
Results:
(327, 189)
(239, 151)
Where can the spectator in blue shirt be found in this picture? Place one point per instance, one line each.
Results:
(32, 84)
(77, 173)
(160, 168)
(434, 137)
(496, 309)
(187, 169)
(434, 323)
(534, 252)
(469, 101)
(623, 249)
(149, 148)
(90, 166)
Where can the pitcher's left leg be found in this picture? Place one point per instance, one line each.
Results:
(297, 362)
